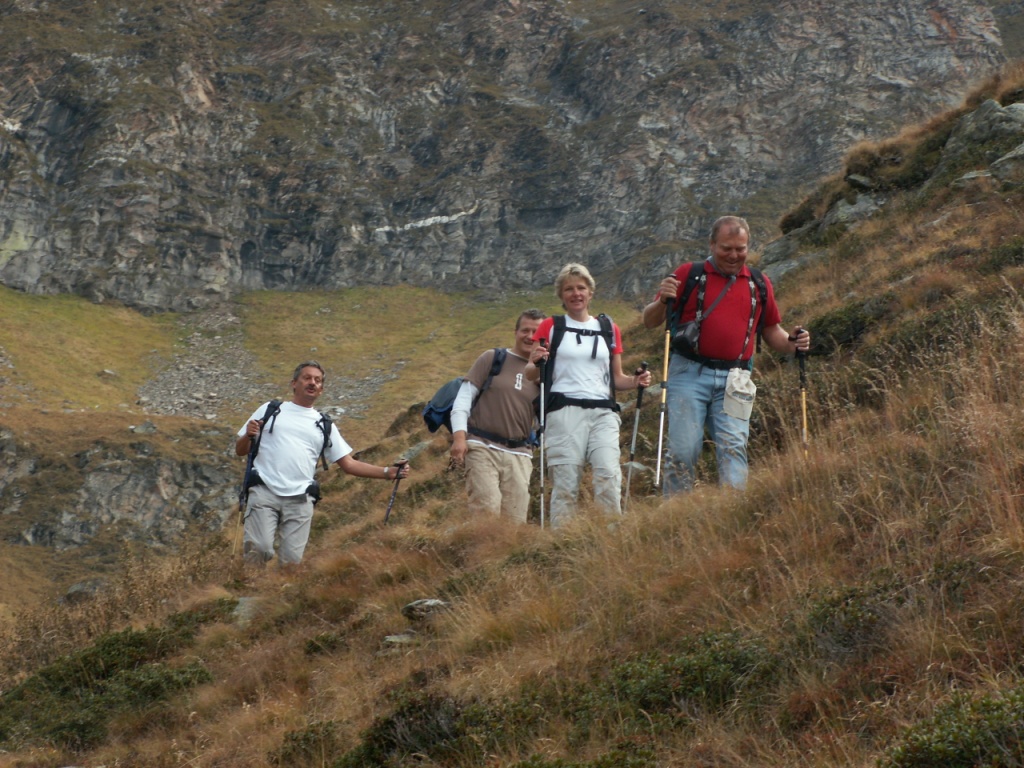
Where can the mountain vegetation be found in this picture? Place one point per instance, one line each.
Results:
(858, 605)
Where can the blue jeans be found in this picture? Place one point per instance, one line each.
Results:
(694, 401)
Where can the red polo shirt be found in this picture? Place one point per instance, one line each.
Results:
(722, 332)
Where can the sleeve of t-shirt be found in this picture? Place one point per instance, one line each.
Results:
(462, 406)
(338, 448)
(618, 350)
(480, 368)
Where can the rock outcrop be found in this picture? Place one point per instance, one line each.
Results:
(171, 154)
(139, 492)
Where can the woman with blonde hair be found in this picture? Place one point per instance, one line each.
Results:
(583, 370)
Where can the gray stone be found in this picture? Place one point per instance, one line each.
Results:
(1009, 169)
(425, 610)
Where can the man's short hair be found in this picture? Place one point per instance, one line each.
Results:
(532, 314)
(307, 364)
(728, 222)
(574, 270)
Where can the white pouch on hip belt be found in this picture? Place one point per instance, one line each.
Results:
(739, 394)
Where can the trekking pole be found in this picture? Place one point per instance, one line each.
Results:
(664, 396)
(394, 491)
(243, 495)
(632, 444)
(801, 357)
(541, 366)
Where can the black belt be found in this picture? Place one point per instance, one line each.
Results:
(557, 400)
(713, 363)
(507, 442)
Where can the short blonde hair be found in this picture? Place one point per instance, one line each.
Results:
(573, 270)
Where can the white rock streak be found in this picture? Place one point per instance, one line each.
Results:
(429, 222)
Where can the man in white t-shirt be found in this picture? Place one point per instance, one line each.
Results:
(282, 497)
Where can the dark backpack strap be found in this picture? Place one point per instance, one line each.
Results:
(692, 277)
(324, 424)
(496, 364)
(608, 332)
(762, 289)
(269, 417)
(557, 332)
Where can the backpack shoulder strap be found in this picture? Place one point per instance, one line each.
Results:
(607, 329)
(324, 425)
(608, 333)
(762, 289)
(268, 419)
(496, 364)
(500, 353)
(692, 277)
(557, 332)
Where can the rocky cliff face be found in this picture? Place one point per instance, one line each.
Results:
(136, 491)
(170, 154)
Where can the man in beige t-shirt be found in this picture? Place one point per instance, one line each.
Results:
(491, 430)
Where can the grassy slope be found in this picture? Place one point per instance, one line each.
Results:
(857, 604)
(77, 368)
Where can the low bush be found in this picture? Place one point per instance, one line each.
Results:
(70, 702)
(966, 733)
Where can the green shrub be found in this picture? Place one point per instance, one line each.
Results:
(70, 702)
(620, 757)
(1008, 254)
(423, 724)
(983, 733)
(712, 671)
(853, 621)
(847, 325)
(325, 642)
(312, 745)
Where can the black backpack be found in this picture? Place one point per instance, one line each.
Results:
(693, 277)
(559, 330)
(438, 412)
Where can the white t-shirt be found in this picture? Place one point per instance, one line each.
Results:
(290, 448)
(577, 374)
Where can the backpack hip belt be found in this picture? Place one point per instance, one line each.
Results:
(557, 400)
(505, 441)
(713, 363)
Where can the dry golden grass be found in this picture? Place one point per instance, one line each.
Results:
(928, 477)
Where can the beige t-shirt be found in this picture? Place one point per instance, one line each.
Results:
(506, 408)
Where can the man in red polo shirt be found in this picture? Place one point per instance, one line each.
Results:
(709, 376)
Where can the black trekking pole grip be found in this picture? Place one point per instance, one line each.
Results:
(801, 357)
(394, 491)
(639, 387)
